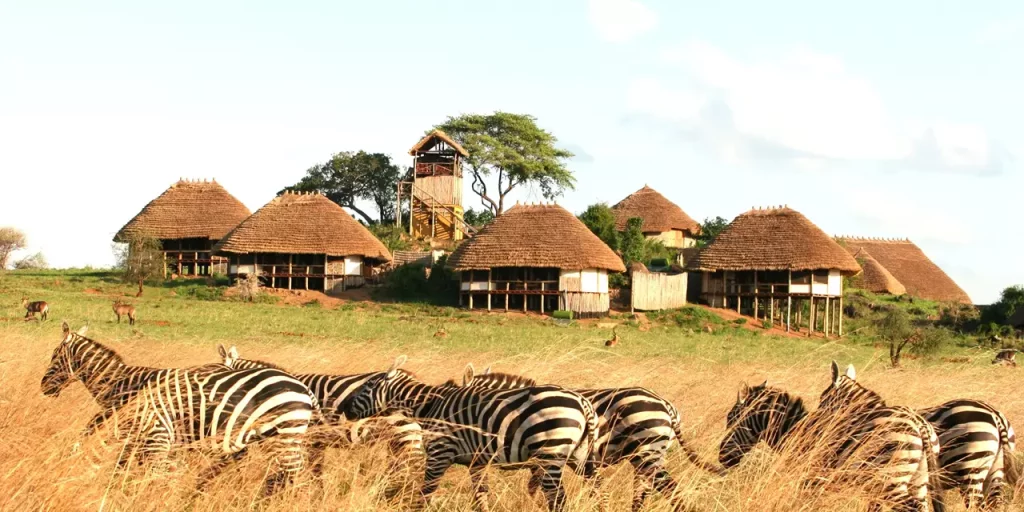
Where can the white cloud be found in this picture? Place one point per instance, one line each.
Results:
(802, 104)
(620, 20)
(889, 213)
(1000, 31)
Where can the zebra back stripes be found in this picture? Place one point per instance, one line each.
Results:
(543, 427)
(634, 424)
(874, 437)
(977, 445)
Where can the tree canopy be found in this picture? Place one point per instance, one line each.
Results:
(349, 177)
(514, 150)
(1010, 301)
(709, 229)
(11, 239)
(600, 219)
(478, 219)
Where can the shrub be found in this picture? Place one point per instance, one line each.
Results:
(618, 280)
(406, 281)
(562, 314)
(248, 288)
(931, 340)
(204, 293)
(392, 236)
(315, 303)
(740, 321)
(694, 317)
(31, 262)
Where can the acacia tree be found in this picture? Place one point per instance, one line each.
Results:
(349, 177)
(512, 149)
(11, 239)
(138, 260)
(709, 229)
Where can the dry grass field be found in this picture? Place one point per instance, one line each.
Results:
(701, 373)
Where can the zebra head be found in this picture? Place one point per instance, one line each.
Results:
(761, 413)
(62, 369)
(381, 391)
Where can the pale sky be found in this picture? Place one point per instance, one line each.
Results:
(892, 119)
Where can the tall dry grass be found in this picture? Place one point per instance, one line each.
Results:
(40, 470)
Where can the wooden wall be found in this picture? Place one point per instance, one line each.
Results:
(652, 291)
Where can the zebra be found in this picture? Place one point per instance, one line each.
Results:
(103, 371)
(977, 445)
(975, 439)
(634, 424)
(896, 439)
(544, 427)
(403, 435)
(230, 409)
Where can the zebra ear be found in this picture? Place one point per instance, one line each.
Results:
(66, 328)
(851, 373)
(399, 361)
(467, 375)
(233, 352)
(82, 329)
(487, 371)
(764, 384)
(835, 373)
(222, 351)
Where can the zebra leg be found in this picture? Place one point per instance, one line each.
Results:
(478, 477)
(217, 468)
(551, 484)
(440, 457)
(289, 459)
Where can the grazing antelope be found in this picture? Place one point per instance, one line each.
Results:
(31, 308)
(613, 341)
(121, 308)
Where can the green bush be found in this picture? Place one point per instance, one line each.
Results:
(392, 236)
(693, 317)
(406, 282)
(315, 303)
(617, 281)
(204, 293)
(562, 314)
(931, 340)
(740, 321)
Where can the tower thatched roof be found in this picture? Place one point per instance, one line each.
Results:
(535, 236)
(773, 239)
(188, 209)
(431, 139)
(303, 224)
(659, 214)
(909, 265)
(874, 277)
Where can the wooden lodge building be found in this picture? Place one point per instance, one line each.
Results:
(187, 219)
(663, 220)
(775, 264)
(433, 189)
(909, 267)
(537, 258)
(303, 241)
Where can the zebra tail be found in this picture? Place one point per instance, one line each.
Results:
(692, 455)
(1011, 466)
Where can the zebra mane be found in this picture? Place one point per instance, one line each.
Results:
(763, 392)
(503, 380)
(258, 362)
(107, 352)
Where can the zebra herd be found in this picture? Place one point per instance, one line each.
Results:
(512, 422)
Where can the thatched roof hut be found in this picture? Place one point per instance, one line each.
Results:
(911, 267)
(662, 218)
(773, 256)
(188, 209)
(187, 219)
(536, 257)
(774, 239)
(874, 277)
(305, 237)
(432, 139)
(541, 235)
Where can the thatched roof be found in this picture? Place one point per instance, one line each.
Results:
(909, 265)
(535, 236)
(431, 139)
(659, 214)
(303, 224)
(773, 239)
(874, 277)
(188, 209)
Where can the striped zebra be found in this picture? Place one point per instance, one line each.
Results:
(634, 424)
(106, 376)
(976, 441)
(542, 427)
(403, 435)
(977, 445)
(877, 437)
(228, 409)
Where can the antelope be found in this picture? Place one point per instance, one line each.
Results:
(31, 308)
(121, 308)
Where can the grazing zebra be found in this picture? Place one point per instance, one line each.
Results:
(103, 371)
(403, 435)
(544, 427)
(761, 413)
(897, 441)
(634, 424)
(31, 308)
(977, 445)
(229, 409)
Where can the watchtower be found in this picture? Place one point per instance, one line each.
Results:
(433, 188)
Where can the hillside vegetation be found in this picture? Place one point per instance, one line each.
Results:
(182, 322)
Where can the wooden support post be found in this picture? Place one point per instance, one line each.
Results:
(164, 260)
(470, 295)
(755, 295)
(307, 277)
(771, 306)
(398, 207)
(506, 294)
(789, 301)
(489, 286)
(433, 226)
(840, 313)
(811, 312)
(542, 297)
(412, 203)
(290, 262)
(273, 274)
(828, 309)
(325, 276)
